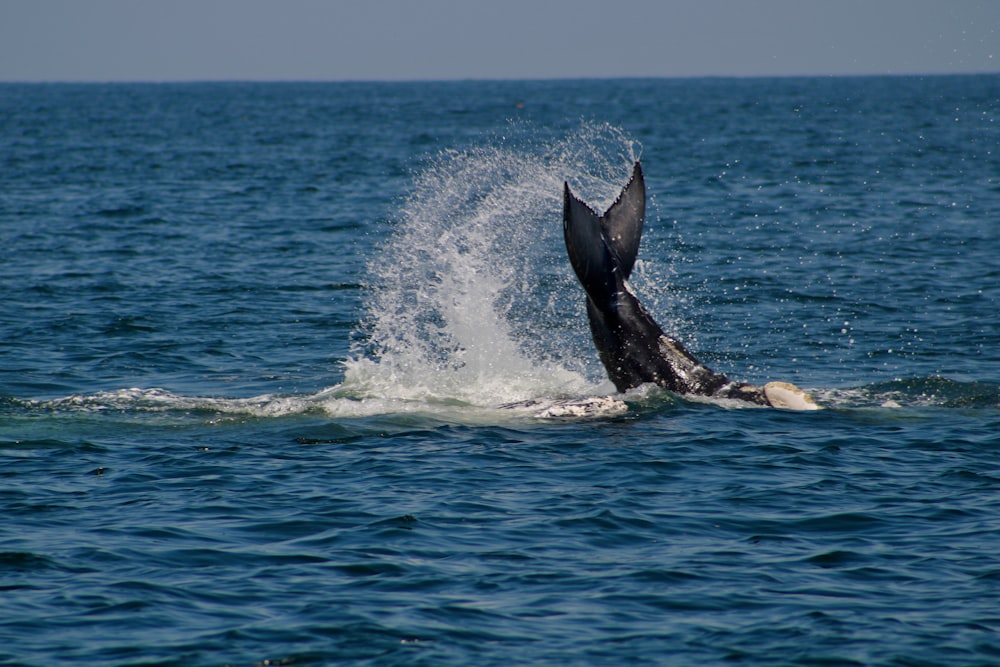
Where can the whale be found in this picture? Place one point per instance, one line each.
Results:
(634, 350)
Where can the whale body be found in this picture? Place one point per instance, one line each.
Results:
(633, 349)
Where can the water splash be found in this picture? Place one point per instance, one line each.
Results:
(472, 299)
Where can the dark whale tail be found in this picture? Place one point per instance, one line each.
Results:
(602, 250)
(601, 245)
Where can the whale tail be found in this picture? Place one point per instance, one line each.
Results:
(602, 250)
(600, 245)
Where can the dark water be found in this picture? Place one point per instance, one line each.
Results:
(254, 340)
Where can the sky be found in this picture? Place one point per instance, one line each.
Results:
(343, 40)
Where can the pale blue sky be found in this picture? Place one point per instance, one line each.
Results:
(184, 40)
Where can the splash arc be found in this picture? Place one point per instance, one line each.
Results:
(632, 347)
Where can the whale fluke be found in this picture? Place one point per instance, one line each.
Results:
(602, 250)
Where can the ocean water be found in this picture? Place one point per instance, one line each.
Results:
(275, 361)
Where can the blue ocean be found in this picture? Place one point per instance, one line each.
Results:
(278, 364)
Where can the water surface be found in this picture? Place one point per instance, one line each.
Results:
(255, 340)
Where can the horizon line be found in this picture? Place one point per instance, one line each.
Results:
(498, 79)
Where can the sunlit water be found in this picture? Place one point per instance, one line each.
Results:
(276, 364)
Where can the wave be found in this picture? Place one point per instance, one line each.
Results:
(155, 400)
(335, 402)
(341, 402)
(918, 392)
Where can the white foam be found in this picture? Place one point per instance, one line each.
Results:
(160, 400)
